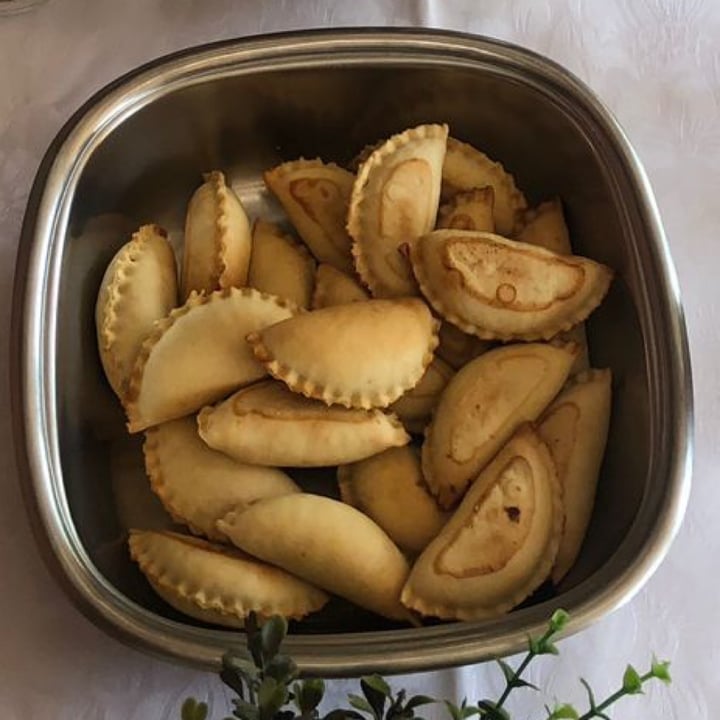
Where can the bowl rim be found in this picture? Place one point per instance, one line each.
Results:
(33, 337)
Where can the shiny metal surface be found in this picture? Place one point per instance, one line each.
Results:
(134, 154)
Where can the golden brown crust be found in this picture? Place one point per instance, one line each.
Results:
(334, 287)
(469, 210)
(544, 226)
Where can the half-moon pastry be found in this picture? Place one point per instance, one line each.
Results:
(544, 226)
(503, 289)
(575, 428)
(483, 405)
(366, 354)
(395, 201)
(280, 266)
(216, 583)
(329, 544)
(458, 348)
(501, 542)
(333, 287)
(267, 424)
(466, 168)
(138, 288)
(198, 354)
(216, 253)
(198, 485)
(415, 407)
(469, 210)
(315, 196)
(389, 488)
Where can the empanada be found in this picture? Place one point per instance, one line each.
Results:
(267, 424)
(544, 226)
(466, 168)
(216, 253)
(218, 584)
(501, 542)
(138, 288)
(458, 348)
(280, 266)
(333, 287)
(329, 544)
(389, 488)
(575, 428)
(415, 407)
(366, 354)
(483, 405)
(315, 196)
(503, 289)
(469, 210)
(198, 485)
(395, 201)
(198, 354)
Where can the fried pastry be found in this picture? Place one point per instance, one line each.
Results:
(506, 290)
(340, 354)
(544, 226)
(280, 266)
(415, 407)
(466, 168)
(198, 485)
(469, 210)
(315, 196)
(458, 348)
(333, 287)
(481, 408)
(575, 428)
(329, 544)
(501, 542)
(395, 201)
(216, 253)
(198, 354)
(390, 489)
(216, 583)
(267, 424)
(138, 288)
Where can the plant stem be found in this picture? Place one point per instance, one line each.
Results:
(612, 699)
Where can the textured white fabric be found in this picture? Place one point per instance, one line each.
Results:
(654, 62)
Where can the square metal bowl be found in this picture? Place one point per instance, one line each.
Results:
(134, 153)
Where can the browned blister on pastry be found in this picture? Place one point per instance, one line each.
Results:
(199, 354)
(483, 405)
(544, 226)
(139, 287)
(458, 348)
(366, 354)
(315, 196)
(390, 489)
(216, 252)
(333, 287)
(469, 210)
(466, 168)
(502, 289)
(216, 583)
(267, 424)
(575, 428)
(500, 543)
(329, 544)
(395, 201)
(415, 407)
(280, 266)
(198, 485)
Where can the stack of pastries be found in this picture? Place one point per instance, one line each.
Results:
(424, 335)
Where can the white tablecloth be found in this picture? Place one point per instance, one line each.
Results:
(656, 65)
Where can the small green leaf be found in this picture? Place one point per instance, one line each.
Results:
(549, 648)
(282, 668)
(245, 710)
(193, 710)
(591, 697)
(254, 641)
(418, 701)
(661, 670)
(360, 703)
(564, 712)
(632, 683)
(375, 697)
(534, 645)
(309, 694)
(377, 683)
(272, 634)
(453, 709)
(559, 620)
(240, 664)
(469, 711)
(508, 672)
(490, 710)
(271, 696)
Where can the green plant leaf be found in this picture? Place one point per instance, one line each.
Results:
(418, 701)
(507, 671)
(282, 668)
(490, 710)
(564, 712)
(660, 669)
(453, 709)
(343, 715)
(591, 697)
(245, 710)
(271, 696)
(559, 620)
(376, 698)
(253, 640)
(193, 710)
(272, 633)
(308, 694)
(360, 703)
(377, 683)
(632, 682)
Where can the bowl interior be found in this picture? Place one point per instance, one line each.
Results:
(146, 170)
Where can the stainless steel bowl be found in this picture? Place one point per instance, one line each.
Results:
(134, 153)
